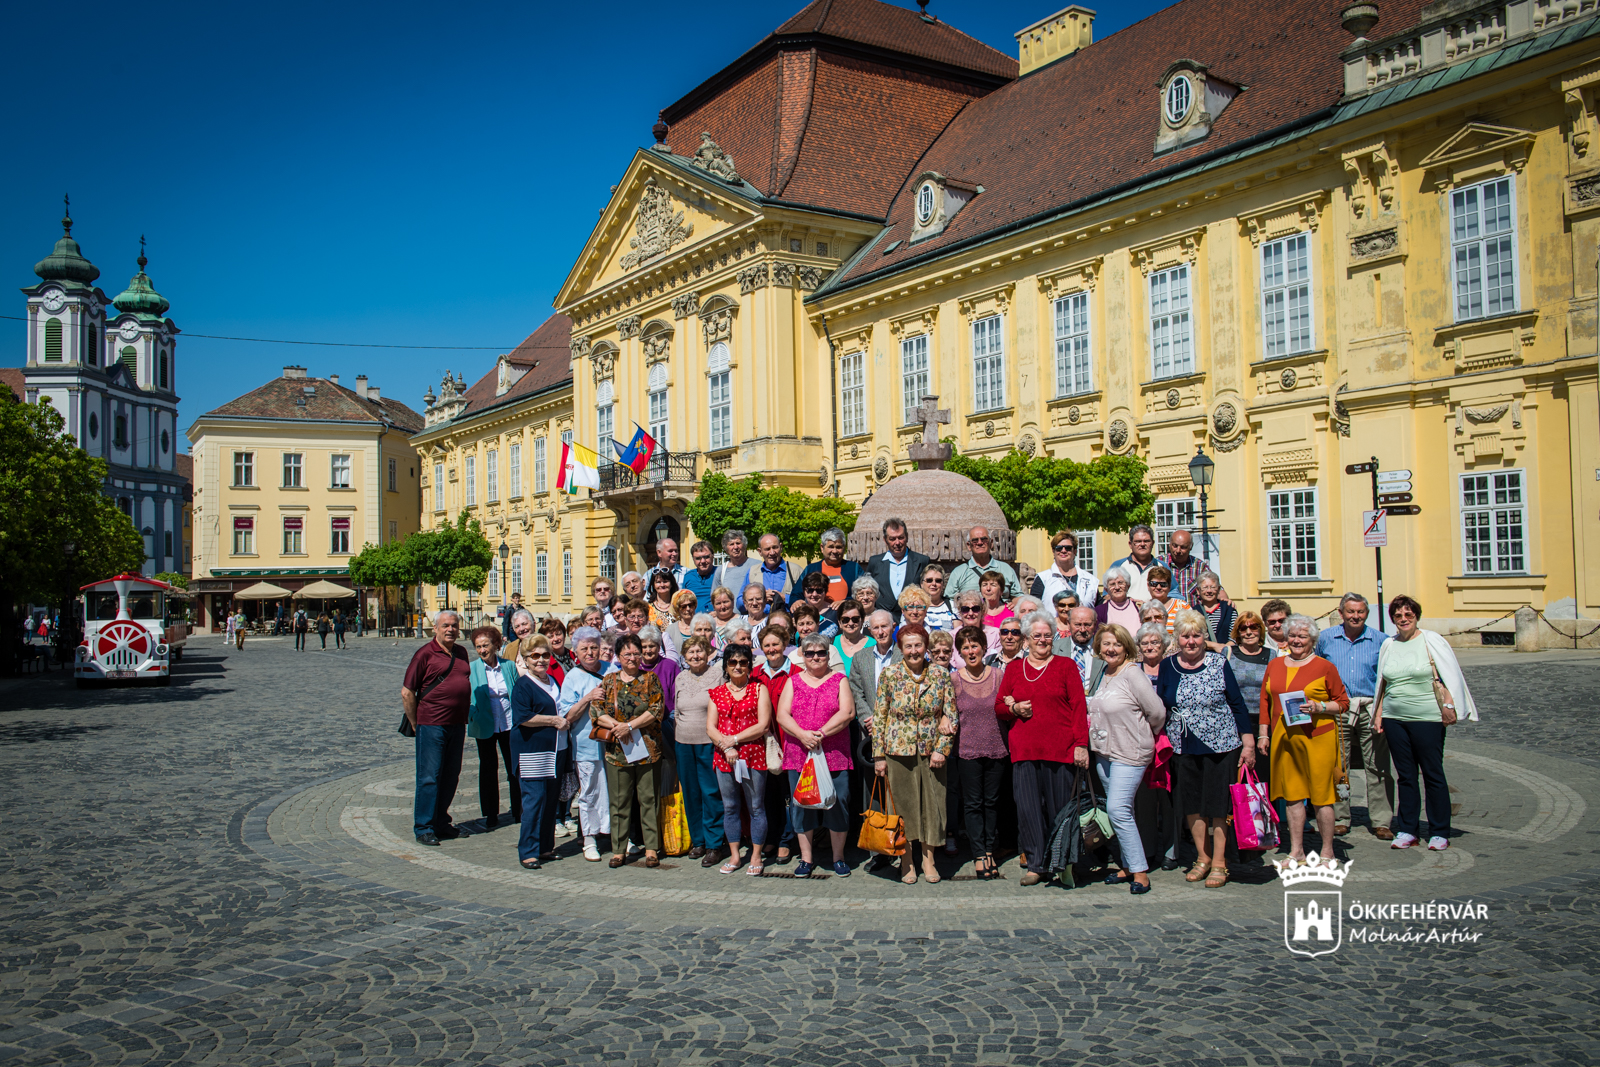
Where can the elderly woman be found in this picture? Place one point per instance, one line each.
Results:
(1218, 613)
(772, 670)
(737, 723)
(681, 628)
(1409, 716)
(739, 634)
(1125, 717)
(523, 626)
(560, 658)
(814, 712)
(580, 689)
(631, 709)
(664, 667)
(864, 591)
(806, 623)
(941, 613)
(1154, 646)
(489, 723)
(942, 648)
(992, 586)
(909, 749)
(663, 592)
(1041, 695)
(1159, 579)
(705, 625)
(1008, 636)
(702, 799)
(1118, 606)
(723, 612)
(755, 598)
(539, 745)
(1303, 741)
(981, 746)
(1211, 733)
(914, 607)
(852, 637)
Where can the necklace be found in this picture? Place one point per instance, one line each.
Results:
(1042, 671)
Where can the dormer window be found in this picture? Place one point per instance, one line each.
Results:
(1180, 97)
(925, 199)
(938, 200)
(1191, 100)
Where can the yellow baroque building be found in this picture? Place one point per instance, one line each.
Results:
(1294, 238)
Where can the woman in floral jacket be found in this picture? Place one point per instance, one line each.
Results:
(913, 733)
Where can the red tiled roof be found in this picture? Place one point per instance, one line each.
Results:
(1087, 123)
(547, 355)
(898, 29)
(326, 403)
(12, 376)
(183, 463)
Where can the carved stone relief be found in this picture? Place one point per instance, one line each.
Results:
(1117, 435)
(717, 326)
(880, 469)
(603, 361)
(1027, 446)
(710, 158)
(783, 273)
(1379, 243)
(1173, 398)
(657, 347)
(685, 305)
(1288, 379)
(657, 227)
(1370, 171)
(579, 346)
(753, 277)
(809, 278)
(628, 327)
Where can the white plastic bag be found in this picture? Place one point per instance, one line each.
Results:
(815, 787)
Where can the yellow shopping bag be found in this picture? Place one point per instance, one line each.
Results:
(674, 824)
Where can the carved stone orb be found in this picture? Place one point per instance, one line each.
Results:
(1073, 414)
(1117, 435)
(1174, 398)
(880, 469)
(1288, 379)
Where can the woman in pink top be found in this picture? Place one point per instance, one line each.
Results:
(992, 584)
(982, 747)
(1118, 607)
(815, 711)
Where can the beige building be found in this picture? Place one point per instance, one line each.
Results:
(493, 450)
(291, 480)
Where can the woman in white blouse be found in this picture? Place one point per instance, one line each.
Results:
(489, 723)
(1125, 715)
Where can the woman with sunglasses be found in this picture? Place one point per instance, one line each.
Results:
(1009, 635)
(941, 613)
(772, 670)
(913, 607)
(912, 738)
(737, 723)
(1063, 574)
(815, 712)
(539, 752)
(853, 636)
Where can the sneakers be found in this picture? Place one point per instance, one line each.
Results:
(565, 829)
(1403, 841)
(804, 869)
(841, 869)
(1438, 844)
(591, 851)
(570, 828)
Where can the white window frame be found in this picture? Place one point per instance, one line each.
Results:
(608, 562)
(1171, 515)
(1294, 538)
(660, 414)
(516, 572)
(394, 530)
(338, 541)
(566, 572)
(1472, 245)
(988, 363)
(470, 480)
(293, 470)
(294, 542)
(244, 542)
(538, 465)
(515, 473)
(491, 474)
(340, 463)
(915, 376)
(541, 573)
(1074, 351)
(605, 417)
(1288, 297)
(438, 487)
(1087, 556)
(1171, 324)
(1494, 522)
(244, 470)
(853, 393)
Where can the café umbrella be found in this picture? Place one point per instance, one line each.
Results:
(323, 590)
(261, 591)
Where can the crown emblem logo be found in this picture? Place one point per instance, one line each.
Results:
(1312, 869)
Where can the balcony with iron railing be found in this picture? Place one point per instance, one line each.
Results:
(665, 469)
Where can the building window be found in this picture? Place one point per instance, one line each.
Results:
(988, 365)
(394, 531)
(340, 468)
(119, 436)
(244, 536)
(91, 345)
(1483, 249)
(167, 538)
(853, 397)
(1171, 332)
(1072, 345)
(52, 341)
(541, 574)
(292, 462)
(516, 573)
(244, 463)
(566, 572)
(538, 465)
(1170, 516)
(394, 475)
(719, 388)
(1180, 95)
(163, 370)
(925, 195)
(340, 540)
(1086, 553)
(1292, 533)
(130, 360)
(1493, 518)
(516, 471)
(471, 481)
(1286, 295)
(491, 474)
(658, 404)
(294, 537)
(608, 562)
(913, 376)
(566, 437)
(438, 487)
(443, 590)
(605, 413)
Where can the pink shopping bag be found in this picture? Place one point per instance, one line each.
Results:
(1255, 823)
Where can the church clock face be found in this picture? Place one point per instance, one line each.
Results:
(130, 331)
(54, 300)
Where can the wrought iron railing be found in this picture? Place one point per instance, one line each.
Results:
(664, 467)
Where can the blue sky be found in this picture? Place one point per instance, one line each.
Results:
(399, 174)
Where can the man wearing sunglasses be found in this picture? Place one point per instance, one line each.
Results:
(965, 577)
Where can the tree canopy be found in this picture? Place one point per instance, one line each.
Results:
(174, 579)
(1042, 493)
(725, 503)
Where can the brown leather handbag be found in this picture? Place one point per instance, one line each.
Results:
(882, 831)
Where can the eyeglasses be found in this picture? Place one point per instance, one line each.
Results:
(1010, 633)
(977, 540)
(811, 653)
(967, 609)
(1066, 548)
(933, 580)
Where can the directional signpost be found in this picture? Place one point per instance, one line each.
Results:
(1391, 495)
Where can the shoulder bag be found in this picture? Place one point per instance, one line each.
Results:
(1093, 820)
(883, 831)
(1441, 692)
(405, 728)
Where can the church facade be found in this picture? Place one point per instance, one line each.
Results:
(109, 366)
(1290, 238)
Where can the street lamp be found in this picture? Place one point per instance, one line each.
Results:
(67, 629)
(505, 554)
(1201, 469)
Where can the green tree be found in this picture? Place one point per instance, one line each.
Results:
(1041, 493)
(799, 519)
(470, 578)
(173, 578)
(724, 504)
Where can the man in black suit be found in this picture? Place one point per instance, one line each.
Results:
(896, 568)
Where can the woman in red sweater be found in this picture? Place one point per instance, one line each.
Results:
(1041, 694)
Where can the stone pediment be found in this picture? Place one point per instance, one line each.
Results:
(658, 215)
(1477, 145)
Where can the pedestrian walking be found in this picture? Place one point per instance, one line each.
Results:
(302, 625)
(1353, 649)
(339, 627)
(229, 634)
(490, 724)
(323, 626)
(437, 695)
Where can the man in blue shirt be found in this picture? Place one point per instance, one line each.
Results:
(703, 578)
(774, 572)
(1353, 650)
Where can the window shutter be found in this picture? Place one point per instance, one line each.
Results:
(52, 341)
(130, 359)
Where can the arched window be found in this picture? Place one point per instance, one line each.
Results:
(605, 415)
(52, 341)
(658, 404)
(130, 359)
(719, 394)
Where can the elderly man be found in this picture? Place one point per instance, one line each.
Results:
(774, 571)
(1185, 566)
(436, 695)
(633, 585)
(1140, 558)
(735, 572)
(580, 688)
(897, 568)
(703, 578)
(1064, 573)
(1274, 613)
(667, 560)
(1009, 641)
(1353, 650)
(840, 572)
(869, 663)
(1078, 646)
(965, 577)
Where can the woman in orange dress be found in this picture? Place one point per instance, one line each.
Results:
(1305, 758)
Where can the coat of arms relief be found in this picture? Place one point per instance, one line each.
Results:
(658, 228)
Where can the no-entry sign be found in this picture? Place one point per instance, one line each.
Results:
(1375, 529)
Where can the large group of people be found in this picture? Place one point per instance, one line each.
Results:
(695, 703)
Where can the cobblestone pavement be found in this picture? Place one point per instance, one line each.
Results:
(221, 872)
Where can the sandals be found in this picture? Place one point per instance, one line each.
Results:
(755, 869)
(931, 877)
(908, 874)
(652, 861)
(734, 863)
(1197, 873)
(1217, 878)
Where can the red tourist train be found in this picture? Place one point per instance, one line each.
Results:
(128, 633)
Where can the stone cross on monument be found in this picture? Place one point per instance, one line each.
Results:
(930, 453)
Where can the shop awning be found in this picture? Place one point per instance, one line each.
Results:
(262, 591)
